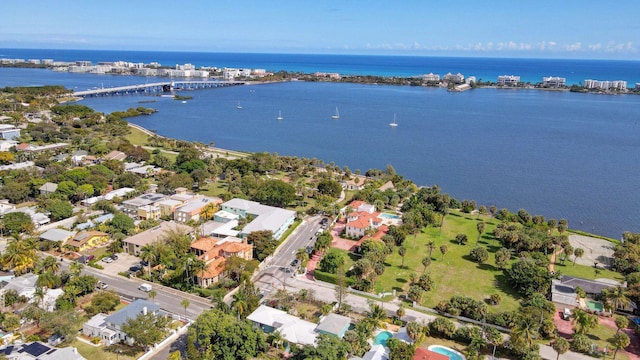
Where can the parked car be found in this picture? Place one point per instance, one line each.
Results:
(107, 259)
(566, 314)
(101, 285)
(114, 257)
(135, 268)
(294, 262)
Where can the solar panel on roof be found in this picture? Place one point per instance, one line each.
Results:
(36, 349)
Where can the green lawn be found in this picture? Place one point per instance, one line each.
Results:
(137, 137)
(454, 274)
(601, 334)
(585, 271)
(99, 352)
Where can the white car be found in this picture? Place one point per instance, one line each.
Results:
(107, 260)
(101, 285)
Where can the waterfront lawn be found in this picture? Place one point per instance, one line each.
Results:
(454, 274)
(137, 137)
(586, 272)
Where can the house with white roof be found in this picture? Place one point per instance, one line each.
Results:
(271, 218)
(24, 285)
(293, 329)
(39, 351)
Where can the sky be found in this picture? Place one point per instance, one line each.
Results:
(586, 29)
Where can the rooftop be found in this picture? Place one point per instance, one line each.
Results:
(157, 233)
(131, 311)
(56, 235)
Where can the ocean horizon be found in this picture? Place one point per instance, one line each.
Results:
(558, 154)
(485, 68)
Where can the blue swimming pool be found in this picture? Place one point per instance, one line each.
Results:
(382, 337)
(452, 354)
(389, 216)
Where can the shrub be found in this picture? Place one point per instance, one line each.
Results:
(495, 299)
(581, 343)
(443, 328)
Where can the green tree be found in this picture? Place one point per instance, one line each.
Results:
(426, 261)
(323, 241)
(331, 261)
(502, 257)
(376, 316)
(341, 285)
(583, 321)
(399, 350)
(443, 250)
(494, 338)
(216, 335)
(148, 254)
(185, 304)
(146, 329)
(578, 252)
(561, 346)
(17, 223)
(122, 223)
(103, 302)
(59, 209)
(480, 227)
(49, 263)
(620, 341)
(524, 333)
(479, 254)
(402, 251)
(329, 187)
(621, 323)
(152, 294)
(414, 331)
(275, 193)
(462, 239)
(263, 243)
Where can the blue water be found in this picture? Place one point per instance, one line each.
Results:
(531, 70)
(562, 155)
(446, 351)
(388, 216)
(382, 337)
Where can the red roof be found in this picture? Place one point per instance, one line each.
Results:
(424, 354)
(355, 204)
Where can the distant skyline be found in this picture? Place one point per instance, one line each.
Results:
(581, 29)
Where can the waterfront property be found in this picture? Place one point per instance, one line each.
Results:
(553, 81)
(363, 217)
(508, 80)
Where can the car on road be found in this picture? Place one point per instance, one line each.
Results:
(294, 263)
(309, 249)
(101, 285)
(145, 287)
(107, 259)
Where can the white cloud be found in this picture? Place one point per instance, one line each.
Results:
(576, 46)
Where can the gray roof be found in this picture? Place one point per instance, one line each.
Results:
(146, 199)
(269, 218)
(80, 153)
(22, 283)
(333, 324)
(40, 351)
(196, 203)
(157, 233)
(589, 286)
(56, 235)
(563, 294)
(131, 311)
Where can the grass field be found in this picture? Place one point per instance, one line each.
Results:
(137, 137)
(99, 352)
(455, 273)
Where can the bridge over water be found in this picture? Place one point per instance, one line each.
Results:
(156, 88)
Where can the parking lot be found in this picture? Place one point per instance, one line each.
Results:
(124, 262)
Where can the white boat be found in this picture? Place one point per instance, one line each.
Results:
(239, 106)
(279, 116)
(184, 101)
(393, 123)
(337, 115)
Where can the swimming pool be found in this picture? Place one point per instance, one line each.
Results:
(595, 305)
(452, 354)
(382, 337)
(389, 216)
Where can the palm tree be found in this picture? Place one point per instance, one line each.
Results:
(618, 297)
(239, 303)
(480, 227)
(583, 321)
(39, 294)
(76, 268)
(20, 255)
(148, 254)
(277, 340)
(414, 331)
(561, 346)
(401, 311)
(185, 304)
(302, 255)
(376, 315)
(402, 251)
(525, 332)
(152, 294)
(431, 245)
(50, 264)
(426, 262)
(578, 252)
(495, 338)
(443, 249)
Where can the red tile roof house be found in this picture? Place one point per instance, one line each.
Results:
(363, 217)
(214, 252)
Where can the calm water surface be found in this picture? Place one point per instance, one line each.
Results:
(558, 154)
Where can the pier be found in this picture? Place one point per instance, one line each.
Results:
(156, 88)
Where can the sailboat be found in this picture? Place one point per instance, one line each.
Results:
(279, 115)
(239, 106)
(393, 123)
(337, 115)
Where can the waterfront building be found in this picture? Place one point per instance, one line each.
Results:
(605, 85)
(457, 78)
(553, 81)
(508, 80)
(430, 77)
